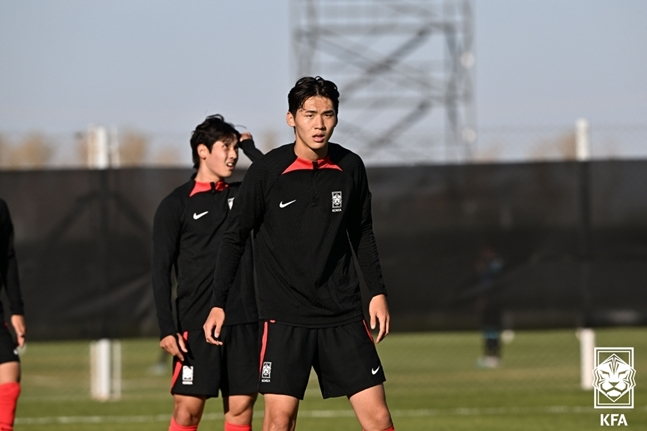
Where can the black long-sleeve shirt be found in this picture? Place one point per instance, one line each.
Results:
(9, 264)
(307, 218)
(187, 231)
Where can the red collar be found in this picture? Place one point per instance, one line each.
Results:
(307, 165)
(200, 187)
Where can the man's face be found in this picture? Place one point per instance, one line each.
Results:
(222, 159)
(313, 124)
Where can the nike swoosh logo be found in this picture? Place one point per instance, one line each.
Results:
(374, 371)
(197, 216)
(283, 205)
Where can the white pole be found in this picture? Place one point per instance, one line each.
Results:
(587, 347)
(100, 369)
(582, 140)
(105, 369)
(586, 335)
(98, 151)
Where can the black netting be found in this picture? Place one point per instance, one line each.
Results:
(519, 245)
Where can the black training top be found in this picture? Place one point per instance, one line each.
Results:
(187, 232)
(8, 264)
(308, 218)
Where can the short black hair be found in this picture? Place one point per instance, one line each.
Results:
(308, 87)
(214, 128)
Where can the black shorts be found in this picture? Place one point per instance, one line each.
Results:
(231, 368)
(344, 358)
(8, 346)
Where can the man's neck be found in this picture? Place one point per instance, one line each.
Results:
(206, 176)
(307, 153)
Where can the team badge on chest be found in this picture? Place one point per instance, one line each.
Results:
(336, 202)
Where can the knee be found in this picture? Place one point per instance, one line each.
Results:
(380, 421)
(185, 415)
(239, 409)
(240, 405)
(281, 421)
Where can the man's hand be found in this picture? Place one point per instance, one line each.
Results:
(378, 310)
(175, 346)
(213, 325)
(18, 323)
(244, 136)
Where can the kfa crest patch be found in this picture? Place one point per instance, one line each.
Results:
(187, 374)
(336, 202)
(266, 372)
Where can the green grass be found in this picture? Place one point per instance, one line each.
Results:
(433, 384)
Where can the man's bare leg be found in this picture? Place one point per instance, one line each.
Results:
(280, 412)
(239, 409)
(371, 409)
(188, 409)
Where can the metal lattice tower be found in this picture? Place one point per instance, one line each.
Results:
(404, 69)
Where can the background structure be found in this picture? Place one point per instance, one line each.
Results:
(405, 71)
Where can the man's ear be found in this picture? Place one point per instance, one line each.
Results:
(203, 151)
(289, 118)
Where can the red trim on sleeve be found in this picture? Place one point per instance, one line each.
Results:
(200, 187)
(306, 165)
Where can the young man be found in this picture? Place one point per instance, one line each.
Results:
(187, 231)
(309, 206)
(9, 361)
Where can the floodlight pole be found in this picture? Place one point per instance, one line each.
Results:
(105, 354)
(586, 333)
(583, 154)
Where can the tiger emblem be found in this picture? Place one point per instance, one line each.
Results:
(614, 377)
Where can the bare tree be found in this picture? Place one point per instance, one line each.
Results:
(133, 146)
(3, 152)
(167, 157)
(31, 153)
(563, 148)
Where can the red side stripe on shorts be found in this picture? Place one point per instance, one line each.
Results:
(178, 364)
(368, 331)
(263, 345)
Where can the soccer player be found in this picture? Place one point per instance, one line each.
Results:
(9, 360)
(187, 231)
(309, 207)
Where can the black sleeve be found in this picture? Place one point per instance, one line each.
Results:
(250, 149)
(246, 215)
(8, 261)
(362, 237)
(167, 226)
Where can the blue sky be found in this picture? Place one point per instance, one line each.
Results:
(162, 65)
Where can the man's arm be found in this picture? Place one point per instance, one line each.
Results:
(246, 143)
(166, 234)
(9, 274)
(246, 214)
(363, 241)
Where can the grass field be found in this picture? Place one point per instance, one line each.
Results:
(433, 384)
